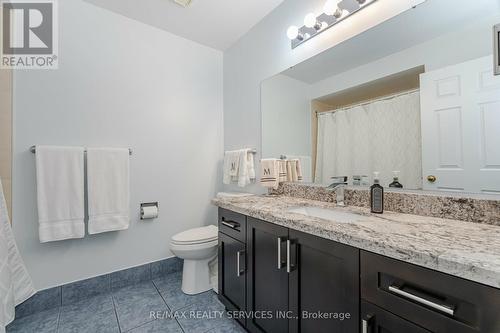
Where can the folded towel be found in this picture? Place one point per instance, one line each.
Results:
(60, 193)
(296, 170)
(289, 176)
(231, 166)
(293, 166)
(298, 167)
(108, 178)
(269, 172)
(246, 169)
(303, 168)
(251, 166)
(283, 172)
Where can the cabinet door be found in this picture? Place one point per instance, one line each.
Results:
(232, 275)
(376, 320)
(324, 285)
(267, 288)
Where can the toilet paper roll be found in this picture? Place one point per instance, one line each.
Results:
(149, 212)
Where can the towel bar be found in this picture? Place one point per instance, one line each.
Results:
(33, 150)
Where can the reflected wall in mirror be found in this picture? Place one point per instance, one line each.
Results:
(415, 96)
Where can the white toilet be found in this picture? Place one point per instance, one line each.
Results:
(197, 247)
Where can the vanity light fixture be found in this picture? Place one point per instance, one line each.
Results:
(334, 11)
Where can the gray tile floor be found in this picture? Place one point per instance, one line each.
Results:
(138, 308)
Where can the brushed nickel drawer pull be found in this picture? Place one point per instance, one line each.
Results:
(443, 308)
(231, 224)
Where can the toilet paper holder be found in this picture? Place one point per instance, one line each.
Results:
(145, 206)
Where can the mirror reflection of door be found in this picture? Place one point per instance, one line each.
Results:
(461, 127)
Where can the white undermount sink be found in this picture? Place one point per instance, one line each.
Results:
(332, 214)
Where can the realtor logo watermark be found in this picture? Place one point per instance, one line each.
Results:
(29, 34)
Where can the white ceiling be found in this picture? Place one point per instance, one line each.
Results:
(215, 23)
(425, 22)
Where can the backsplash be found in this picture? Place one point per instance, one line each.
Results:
(470, 208)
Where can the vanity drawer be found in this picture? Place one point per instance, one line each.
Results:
(433, 300)
(233, 224)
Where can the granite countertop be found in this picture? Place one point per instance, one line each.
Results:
(464, 249)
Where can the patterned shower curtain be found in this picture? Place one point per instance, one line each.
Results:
(383, 136)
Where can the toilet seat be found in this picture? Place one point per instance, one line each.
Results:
(196, 236)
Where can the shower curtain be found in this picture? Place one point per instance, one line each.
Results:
(15, 283)
(382, 135)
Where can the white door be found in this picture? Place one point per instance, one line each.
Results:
(460, 114)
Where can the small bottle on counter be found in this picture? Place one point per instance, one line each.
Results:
(395, 180)
(376, 195)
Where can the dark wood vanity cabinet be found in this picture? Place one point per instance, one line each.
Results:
(435, 301)
(267, 288)
(323, 285)
(376, 320)
(302, 283)
(232, 262)
(290, 281)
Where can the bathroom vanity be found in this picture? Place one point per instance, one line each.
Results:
(297, 265)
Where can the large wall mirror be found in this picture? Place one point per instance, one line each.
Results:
(415, 96)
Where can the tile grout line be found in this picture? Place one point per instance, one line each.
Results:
(176, 319)
(58, 319)
(116, 313)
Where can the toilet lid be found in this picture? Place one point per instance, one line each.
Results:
(196, 235)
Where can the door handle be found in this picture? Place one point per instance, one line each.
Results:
(239, 271)
(440, 307)
(365, 324)
(431, 178)
(289, 266)
(280, 262)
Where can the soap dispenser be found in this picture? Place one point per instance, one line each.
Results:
(395, 180)
(376, 195)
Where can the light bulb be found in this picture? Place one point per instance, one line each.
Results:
(292, 32)
(310, 20)
(330, 7)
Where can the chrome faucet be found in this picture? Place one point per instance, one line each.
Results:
(338, 186)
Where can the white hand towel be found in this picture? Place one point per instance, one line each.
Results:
(231, 166)
(251, 166)
(60, 193)
(15, 283)
(269, 173)
(108, 178)
(246, 170)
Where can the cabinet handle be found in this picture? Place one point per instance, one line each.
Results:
(239, 272)
(231, 224)
(289, 266)
(365, 324)
(279, 253)
(443, 308)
